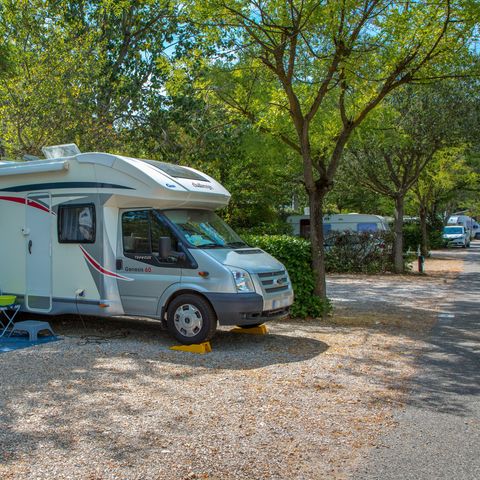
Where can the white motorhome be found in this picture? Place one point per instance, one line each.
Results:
(476, 230)
(353, 222)
(108, 235)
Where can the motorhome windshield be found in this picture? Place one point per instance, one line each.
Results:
(453, 230)
(204, 229)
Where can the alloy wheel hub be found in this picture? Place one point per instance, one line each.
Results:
(188, 320)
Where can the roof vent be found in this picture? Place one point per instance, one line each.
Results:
(60, 151)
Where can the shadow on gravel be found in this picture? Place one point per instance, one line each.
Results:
(451, 365)
(448, 374)
(230, 350)
(88, 377)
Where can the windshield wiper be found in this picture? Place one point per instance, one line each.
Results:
(210, 245)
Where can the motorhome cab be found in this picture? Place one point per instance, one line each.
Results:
(108, 235)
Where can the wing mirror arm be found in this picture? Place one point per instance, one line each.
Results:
(165, 249)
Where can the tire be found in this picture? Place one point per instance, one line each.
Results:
(251, 325)
(191, 319)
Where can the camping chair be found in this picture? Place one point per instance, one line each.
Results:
(5, 310)
(10, 317)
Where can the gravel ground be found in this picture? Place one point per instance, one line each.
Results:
(111, 401)
(400, 300)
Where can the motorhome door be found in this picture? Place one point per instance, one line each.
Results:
(138, 259)
(38, 247)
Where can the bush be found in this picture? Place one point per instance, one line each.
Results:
(412, 237)
(295, 254)
(276, 228)
(352, 252)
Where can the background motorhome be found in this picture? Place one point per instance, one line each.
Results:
(476, 230)
(353, 222)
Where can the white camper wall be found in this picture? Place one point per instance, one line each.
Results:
(351, 222)
(13, 248)
(71, 271)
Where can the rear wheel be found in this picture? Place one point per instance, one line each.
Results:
(191, 319)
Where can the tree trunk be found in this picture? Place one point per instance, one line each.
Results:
(316, 198)
(424, 246)
(398, 238)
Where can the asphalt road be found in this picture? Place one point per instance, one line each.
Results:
(438, 433)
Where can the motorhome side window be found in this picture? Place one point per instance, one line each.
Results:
(367, 227)
(141, 234)
(76, 223)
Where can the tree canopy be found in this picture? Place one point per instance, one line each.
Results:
(268, 96)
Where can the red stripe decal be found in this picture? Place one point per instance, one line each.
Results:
(102, 270)
(23, 201)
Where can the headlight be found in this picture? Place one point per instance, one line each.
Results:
(242, 280)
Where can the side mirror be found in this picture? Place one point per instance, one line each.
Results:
(164, 247)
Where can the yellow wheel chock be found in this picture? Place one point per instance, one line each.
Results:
(200, 348)
(260, 330)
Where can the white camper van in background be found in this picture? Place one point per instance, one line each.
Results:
(476, 230)
(353, 222)
(108, 235)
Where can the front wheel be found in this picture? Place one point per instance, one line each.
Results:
(191, 319)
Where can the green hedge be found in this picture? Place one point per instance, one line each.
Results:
(412, 237)
(295, 254)
(277, 228)
(351, 252)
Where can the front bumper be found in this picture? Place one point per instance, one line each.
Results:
(243, 308)
(454, 242)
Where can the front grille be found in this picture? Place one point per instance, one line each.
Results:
(274, 282)
(271, 274)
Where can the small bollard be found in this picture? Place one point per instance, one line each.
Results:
(421, 264)
(421, 261)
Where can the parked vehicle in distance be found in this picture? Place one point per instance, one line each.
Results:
(464, 220)
(456, 236)
(476, 230)
(108, 235)
(352, 222)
